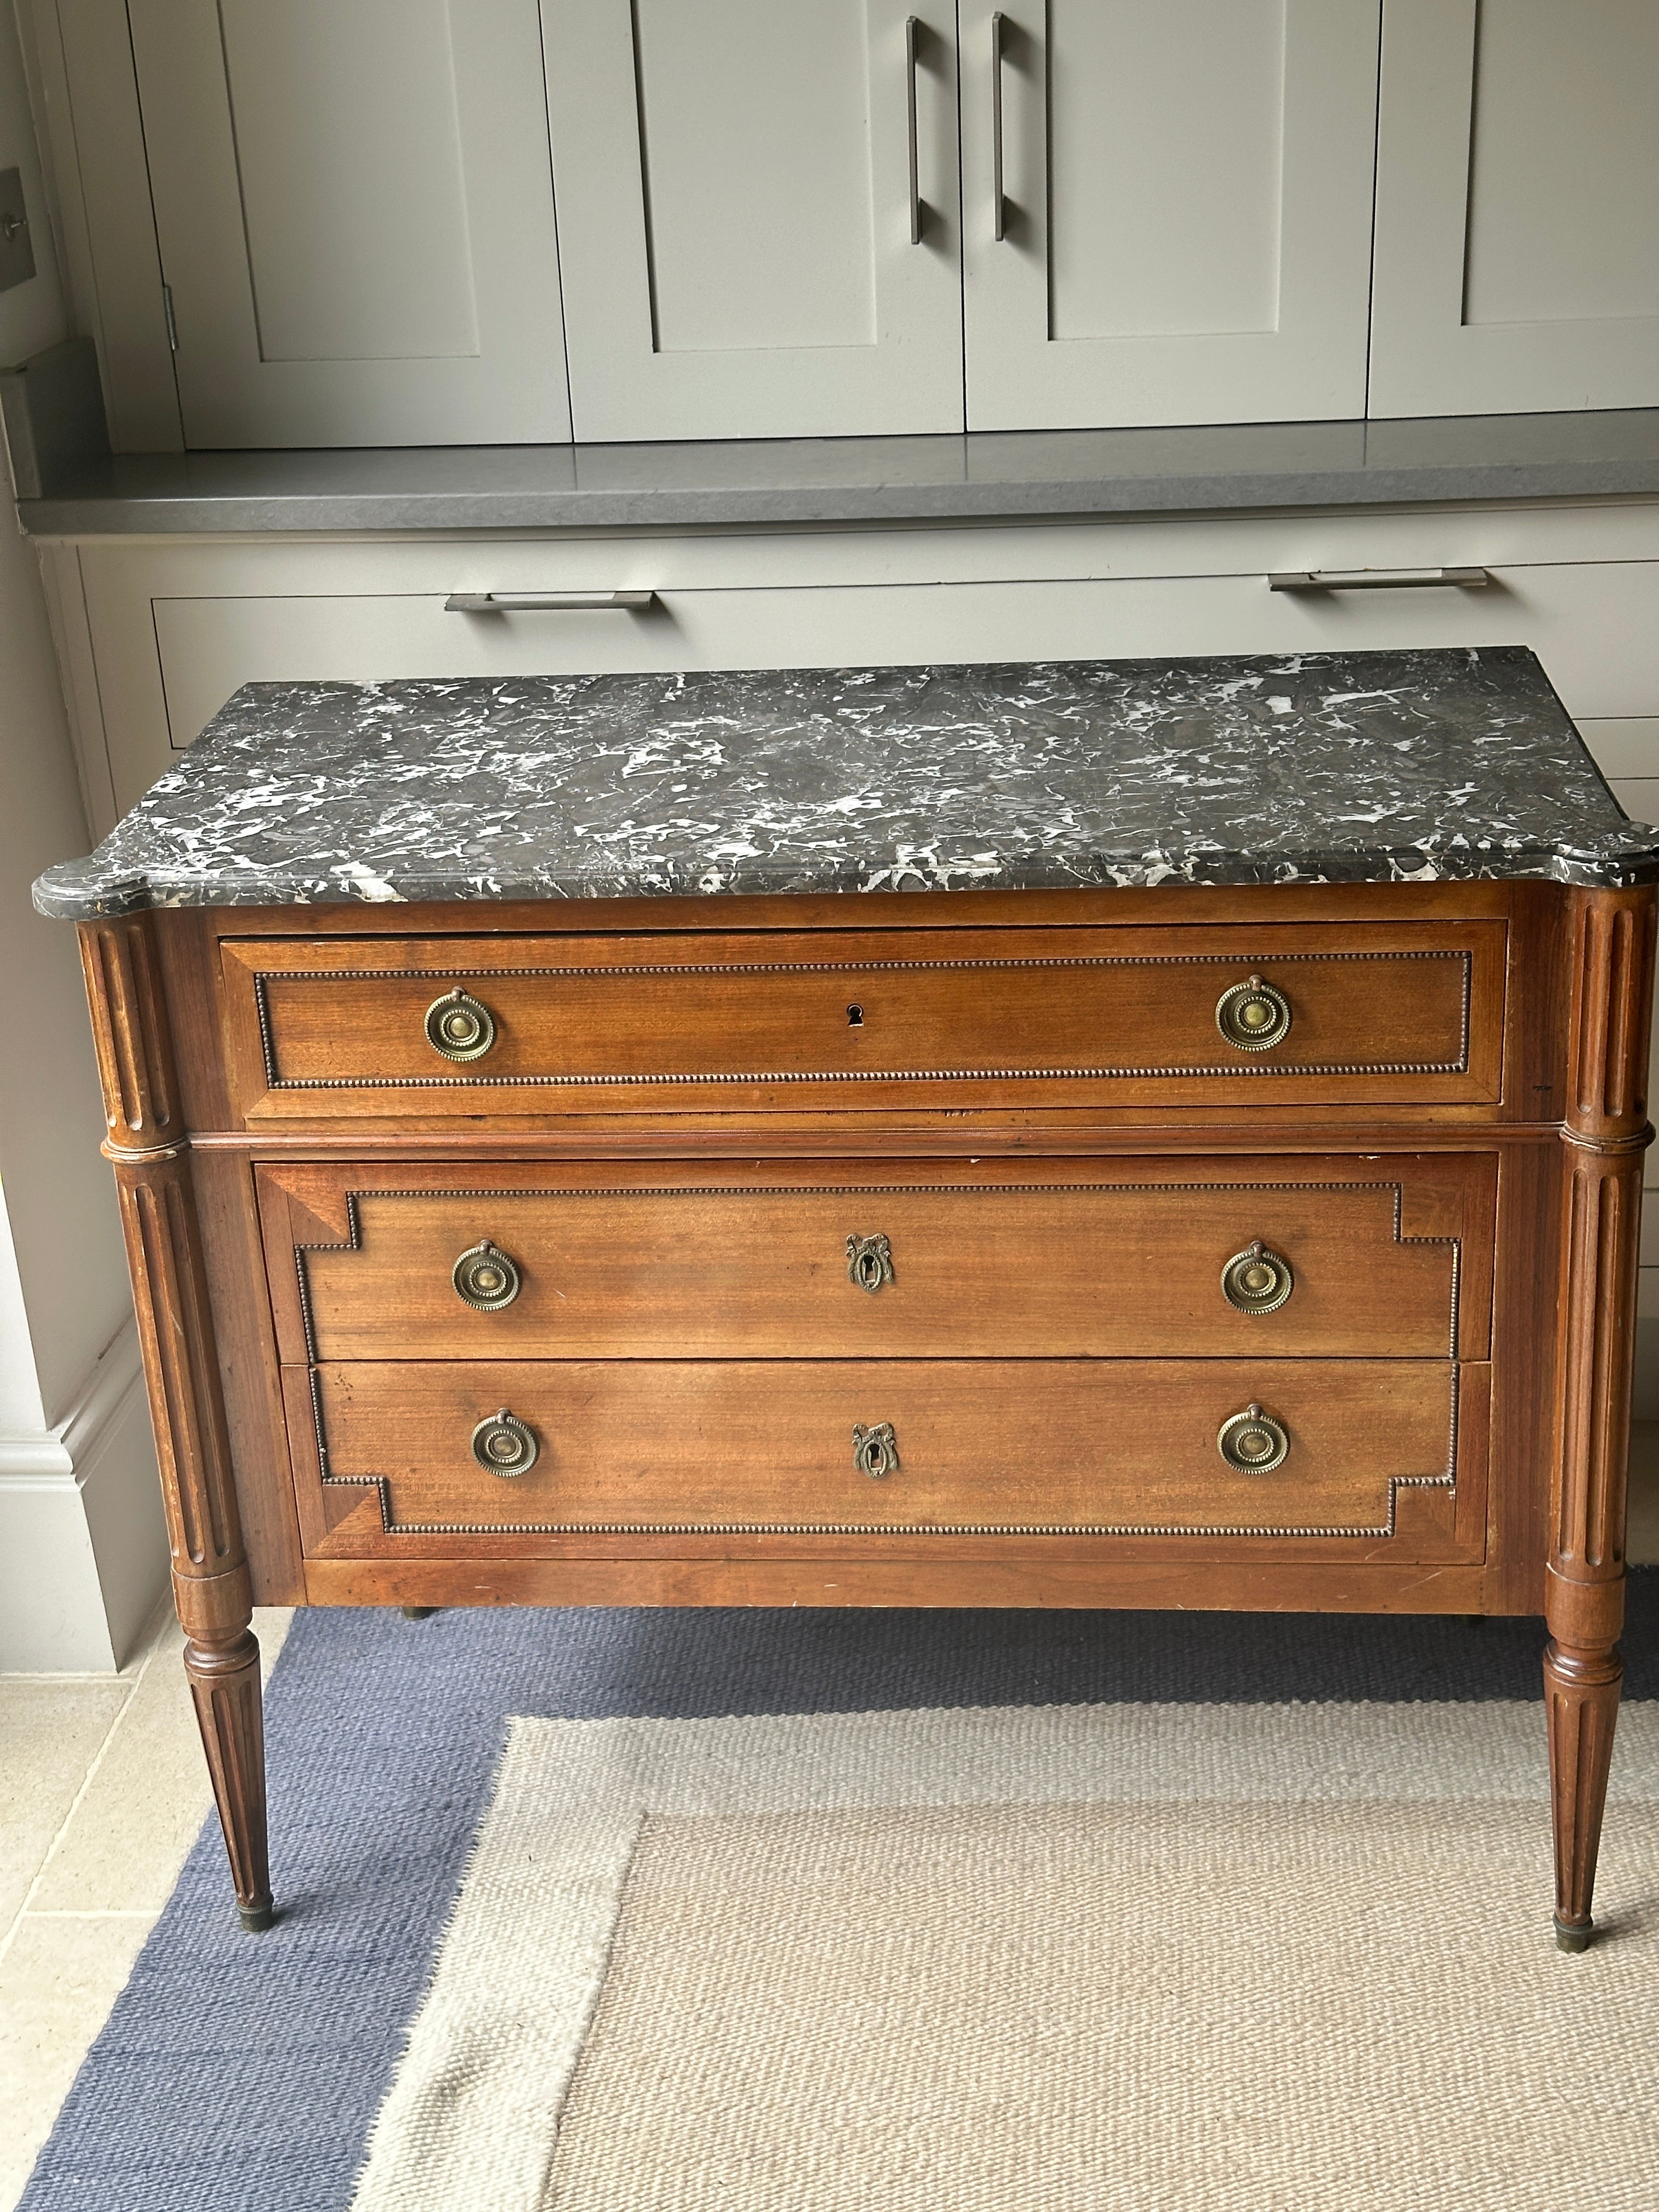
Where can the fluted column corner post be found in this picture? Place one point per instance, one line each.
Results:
(149, 1146)
(1604, 1135)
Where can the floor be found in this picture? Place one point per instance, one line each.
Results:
(103, 1790)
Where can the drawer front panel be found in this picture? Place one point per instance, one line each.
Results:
(1588, 622)
(1029, 1016)
(176, 627)
(970, 1447)
(1381, 1259)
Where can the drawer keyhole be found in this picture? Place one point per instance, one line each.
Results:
(869, 1262)
(875, 1450)
(855, 1016)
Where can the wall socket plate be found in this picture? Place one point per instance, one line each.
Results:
(16, 248)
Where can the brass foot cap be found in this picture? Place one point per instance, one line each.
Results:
(1569, 1937)
(417, 1611)
(256, 1918)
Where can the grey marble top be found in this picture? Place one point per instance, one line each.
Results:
(788, 481)
(1366, 767)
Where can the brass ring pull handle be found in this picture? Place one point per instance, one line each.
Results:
(875, 1451)
(458, 1026)
(1256, 1280)
(869, 1262)
(1253, 1016)
(504, 1445)
(1253, 1442)
(485, 1278)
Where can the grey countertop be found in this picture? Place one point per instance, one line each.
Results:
(1414, 766)
(819, 480)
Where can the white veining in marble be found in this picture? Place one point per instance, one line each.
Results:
(1414, 766)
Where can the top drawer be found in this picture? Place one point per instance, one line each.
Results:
(350, 1029)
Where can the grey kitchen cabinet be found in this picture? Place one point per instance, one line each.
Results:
(757, 216)
(1186, 192)
(1517, 207)
(354, 206)
(1166, 210)
(846, 217)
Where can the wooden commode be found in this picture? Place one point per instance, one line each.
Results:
(1135, 1134)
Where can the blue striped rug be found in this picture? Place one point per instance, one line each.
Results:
(245, 2075)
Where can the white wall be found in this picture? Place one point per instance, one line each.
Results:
(83, 1552)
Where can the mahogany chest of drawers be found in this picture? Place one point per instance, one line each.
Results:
(1260, 1244)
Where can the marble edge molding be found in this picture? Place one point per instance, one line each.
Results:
(75, 891)
(1426, 765)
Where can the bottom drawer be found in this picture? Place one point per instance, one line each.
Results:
(875, 1448)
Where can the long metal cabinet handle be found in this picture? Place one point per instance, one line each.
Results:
(1374, 580)
(912, 25)
(999, 219)
(510, 603)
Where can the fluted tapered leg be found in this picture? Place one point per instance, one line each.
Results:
(149, 1145)
(1581, 1698)
(1606, 1134)
(224, 1681)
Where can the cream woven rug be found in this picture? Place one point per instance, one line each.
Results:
(1195, 1957)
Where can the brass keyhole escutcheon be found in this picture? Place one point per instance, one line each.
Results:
(485, 1278)
(855, 1016)
(875, 1451)
(505, 1444)
(1256, 1280)
(1253, 1443)
(869, 1262)
(459, 1026)
(1253, 1016)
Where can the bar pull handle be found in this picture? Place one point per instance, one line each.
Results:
(999, 227)
(912, 27)
(528, 602)
(1376, 580)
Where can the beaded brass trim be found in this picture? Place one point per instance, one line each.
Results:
(1445, 1481)
(1229, 961)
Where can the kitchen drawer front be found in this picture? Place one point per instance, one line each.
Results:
(174, 629)
(871, 1449)
(1378, 1258)
(339, 1030)
(1590, 624)
(169, 660)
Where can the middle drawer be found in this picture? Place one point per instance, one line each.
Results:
(1383, 1256)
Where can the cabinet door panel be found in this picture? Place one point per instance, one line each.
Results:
(1517, 209)
(734, 216)
(355, 213)
(1187, 210)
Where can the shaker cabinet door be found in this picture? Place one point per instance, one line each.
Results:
(1183, 231)
(1517, 207)
(355, 207)
(757, 216)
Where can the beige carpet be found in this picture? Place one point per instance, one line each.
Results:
(1177, 1958)
(1059, 2006)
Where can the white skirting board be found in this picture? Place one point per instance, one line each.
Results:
(83, 1554)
